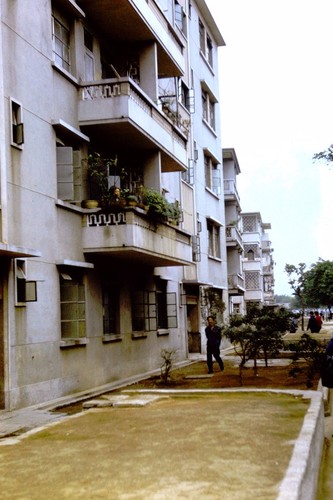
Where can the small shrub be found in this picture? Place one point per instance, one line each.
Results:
(168, 357)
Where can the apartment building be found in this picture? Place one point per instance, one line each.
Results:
(234, 238)
(104, 95)
(258, 263)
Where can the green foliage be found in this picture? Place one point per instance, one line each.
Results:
(99, 169)
(313, 351)
(326, 155)
(159, 207)
(296, 281)
(258, 333)
(242, 336)
(318, 284)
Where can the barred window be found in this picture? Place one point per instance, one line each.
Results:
(251, 250)
(249, 223)
(252, 280)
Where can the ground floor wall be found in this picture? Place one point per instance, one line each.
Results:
(44, 363)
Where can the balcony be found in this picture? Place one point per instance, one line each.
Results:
(130, 235)
(234, 238)
(236, 284)
(230, 191)
(268, 270)
(266, 246)
(117, 110)
(134, 22)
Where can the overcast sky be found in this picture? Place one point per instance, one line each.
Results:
(276, 95)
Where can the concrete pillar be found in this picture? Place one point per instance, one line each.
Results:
(149, 71)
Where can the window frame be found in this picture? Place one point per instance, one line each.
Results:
(61, 60)
(78, 279)
(110, 308)
(206, 44)
(214, 239)
(208, 109)
(25, 290)
(16, 124)
(213, 175)
(247, 275)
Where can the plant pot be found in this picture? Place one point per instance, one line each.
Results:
(89, 204)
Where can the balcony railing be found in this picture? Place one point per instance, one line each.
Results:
(130, 234)
(236, 282)
(126, 113)
(234, 238)
(266, 245)
(230, 190)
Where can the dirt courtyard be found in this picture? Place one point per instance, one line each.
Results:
(207, 447)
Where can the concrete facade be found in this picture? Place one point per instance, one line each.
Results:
(88, 298)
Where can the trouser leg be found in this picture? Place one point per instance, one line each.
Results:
(218, 358)
(209, 360)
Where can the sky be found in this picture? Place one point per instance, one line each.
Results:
(276, 97)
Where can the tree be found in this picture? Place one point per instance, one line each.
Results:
(297, 283)
(326, 155)
(318, 284)
(257, 333)
(270, 325)
(312, 351)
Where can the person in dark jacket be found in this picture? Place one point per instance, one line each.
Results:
(312, 324)
(213, 334)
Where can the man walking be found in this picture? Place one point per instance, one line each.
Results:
(213, 334)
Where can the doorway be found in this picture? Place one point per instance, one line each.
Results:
(193, 333)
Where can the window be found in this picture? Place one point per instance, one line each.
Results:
(249, 223)
(208, 109)
(17, 131)
(25, 291)
(214, 247)
(188, 175)
(180, 17)
(196, 252)
(61, 43)
(69, 175)
(251, 251)
(252, 280)
(185, 96)
(73, 305)
(89, 63)
(153, 310)
(212, 175)
(144, 311)
(206, 44)
(110, 309)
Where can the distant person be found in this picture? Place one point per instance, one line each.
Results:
(312, 324)
(319, 321)
(293, 325)
(214, 336)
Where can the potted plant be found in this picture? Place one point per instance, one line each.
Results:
(110, 195)
(174, 213)
(160, 209)
(157, 204)
(131, 200)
